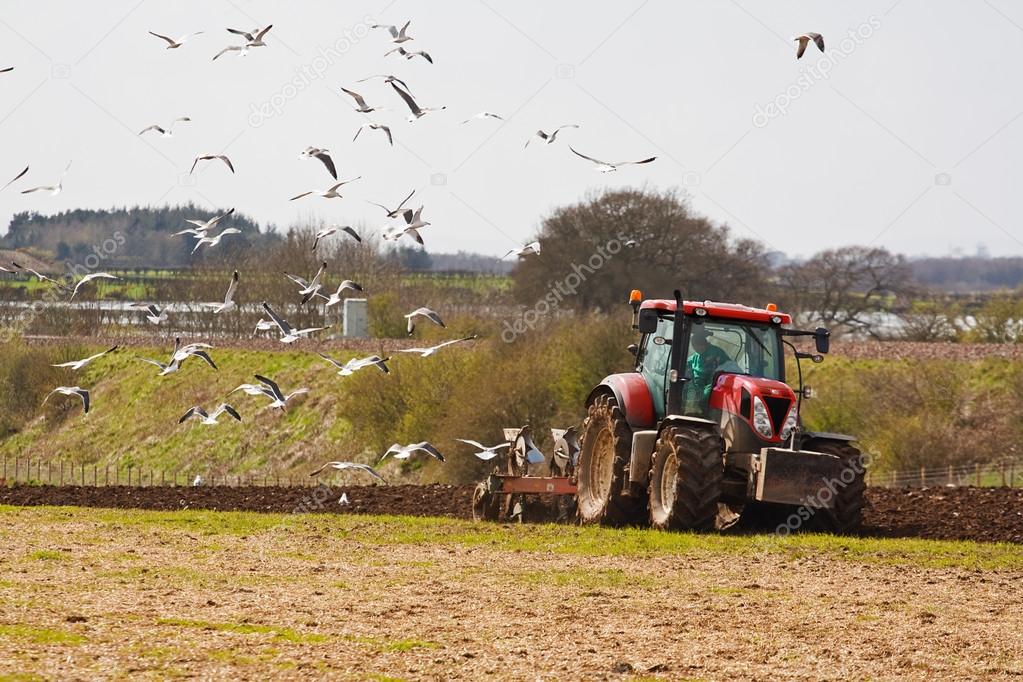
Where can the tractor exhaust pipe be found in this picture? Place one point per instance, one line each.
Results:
(677, 375)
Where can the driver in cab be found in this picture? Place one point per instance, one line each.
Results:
(703, 362)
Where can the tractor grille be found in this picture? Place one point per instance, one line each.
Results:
(778, 408)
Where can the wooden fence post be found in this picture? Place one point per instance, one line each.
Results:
(61, 472)
(977, 469)
(129, 475)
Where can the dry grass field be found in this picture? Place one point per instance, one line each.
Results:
(113, 594)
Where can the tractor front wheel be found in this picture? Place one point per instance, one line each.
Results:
(846, 516)
(603, 462)
(685, 479)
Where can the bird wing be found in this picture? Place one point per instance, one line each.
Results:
(224, 407)
(356, 96)
(803, 41)
(351, 231)
(274, 388)
(216, 220)
(248, 36)
(205, 356)
(634, 163)
(413, 107)
(297, 280)
(259, 36)
(192, 411)
(473, 443)
(226, 160)
(328, 162)
(299, 196)
(434, 317)
(589, 158)
(231, 288)
(153, 127)
(281, 323)
(15, 179)
(229, 48)
(170, 41)
(429, 449)
(331, 360)
(818, 40)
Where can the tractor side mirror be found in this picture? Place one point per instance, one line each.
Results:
(647, 321)
(822, 339)
(633, 348)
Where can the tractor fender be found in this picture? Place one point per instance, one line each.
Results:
(633, 395)
(680, 419)
(808, 436)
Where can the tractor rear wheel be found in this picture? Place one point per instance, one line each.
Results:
(685, 479)
(604, 456)
(846, 517)
(485, 505)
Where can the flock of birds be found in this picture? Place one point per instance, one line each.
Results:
(407, 222)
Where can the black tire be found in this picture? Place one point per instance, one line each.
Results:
(846, 517)
(603, 461)
(685, 479)
(485, 505)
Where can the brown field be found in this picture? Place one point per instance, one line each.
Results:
(100, 594)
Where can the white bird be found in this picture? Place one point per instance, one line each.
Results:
(414, 221)
(153, 314)
(333, 229)
(242, 50)
(530, 248)
(343, 466)
(483, 115)
(54, 190)
(548, 138)
(71, 390)
(280, 400)
(387, 79)
(343, 500)
(309, 287)
(408, 54)
(263, 326)
(422, 312)
(182, 353)
(175, 43)
(394, 212)
(355, 364)
(805, 39)
(607, 166)
(335, 297)
(15, 179)
(363, 108)
(197, 481)
(42, 278)
(329, 193)
(253, 38)
(375, 126)
(168, 131)
(405, 451)
(203, 226)
(228, 303)
(417, 112)
(397, 36)
(252, 389)
(78, 364)
(427, 352)
(215, 239)
(211, 418)
(88, 278)
(211, 157)
(321, 155)
(485, 452)
(393, 234)
(288, 333)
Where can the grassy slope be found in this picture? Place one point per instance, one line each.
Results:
(134, 416)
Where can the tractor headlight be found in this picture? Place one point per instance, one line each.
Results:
(790, 423)
(761, 419)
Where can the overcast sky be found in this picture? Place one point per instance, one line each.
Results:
(906, 135)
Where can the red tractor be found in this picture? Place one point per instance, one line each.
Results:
(704, 431)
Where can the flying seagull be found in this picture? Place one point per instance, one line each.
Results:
(414, 221)
(483, 115)
(530, 248)
(329, 193)
(405, 451)
(228, 303)
(407, 54)
(363, 108)
(42, 278)
(181, 354)
(397, 36)
(375, 126)
(423, 312)
(387, 79)
(15, 179)
(211, 418)
(211, 157)
(417, 111)
(280, 400)
(321, 155)
(335, 297)
(88, 278)
(355, 364)
(394, 212)
(165, 132)
(608, 167)
(78, 364)
(242, 50)
(309, 287)
(153, 314)
(263, 326)
(805, 39)
(71, 390)
(485, 452)
(427, 352)
(203, 226)
(548, 138)
(342, 466)
(393, 234)
(54, 190)
(172, 43)
(254, 38)
(288, 333)
(215, 239)
(327, 231)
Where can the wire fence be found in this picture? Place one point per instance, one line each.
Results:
(1006, 472)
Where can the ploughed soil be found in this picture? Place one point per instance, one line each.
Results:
(983, 514)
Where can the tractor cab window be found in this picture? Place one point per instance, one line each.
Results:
(727, 346)
(653, 361)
